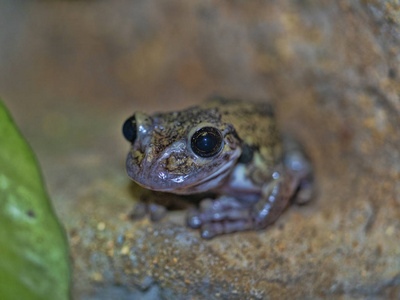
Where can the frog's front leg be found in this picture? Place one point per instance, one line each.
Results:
(275, 198)
(228, 214)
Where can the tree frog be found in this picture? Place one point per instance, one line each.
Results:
(231, 148)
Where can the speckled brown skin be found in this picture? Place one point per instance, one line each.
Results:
(254, 175)
(256, 127)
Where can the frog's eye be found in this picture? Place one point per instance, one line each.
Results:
(206, 142)
(129, 129)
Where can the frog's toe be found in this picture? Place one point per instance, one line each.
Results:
(138, 212)
(193, 219)
(154, 211)
(212, 229)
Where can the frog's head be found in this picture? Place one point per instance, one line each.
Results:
(183, 152)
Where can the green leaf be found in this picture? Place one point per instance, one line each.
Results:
(33, 247)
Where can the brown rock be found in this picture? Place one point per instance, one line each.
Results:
(79, 68)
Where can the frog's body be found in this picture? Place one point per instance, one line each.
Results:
(229, 147)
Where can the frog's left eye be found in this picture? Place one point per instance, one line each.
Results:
(206, 142)
(129, 129)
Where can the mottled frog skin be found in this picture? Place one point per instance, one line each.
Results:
(231, 148)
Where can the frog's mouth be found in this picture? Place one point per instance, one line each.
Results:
(153, 176)
(203, 185)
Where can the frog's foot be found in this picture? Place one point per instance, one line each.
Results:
(220, 216)
(227, 214)
(154, 211)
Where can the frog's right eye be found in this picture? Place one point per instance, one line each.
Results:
(129, 129)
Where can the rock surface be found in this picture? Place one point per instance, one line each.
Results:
(72, 71)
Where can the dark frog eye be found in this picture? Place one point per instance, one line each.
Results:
(206, 142)
(129, 129)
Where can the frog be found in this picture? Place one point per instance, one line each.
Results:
(232, 149)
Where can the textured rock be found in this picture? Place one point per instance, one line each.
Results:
(330, 67)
